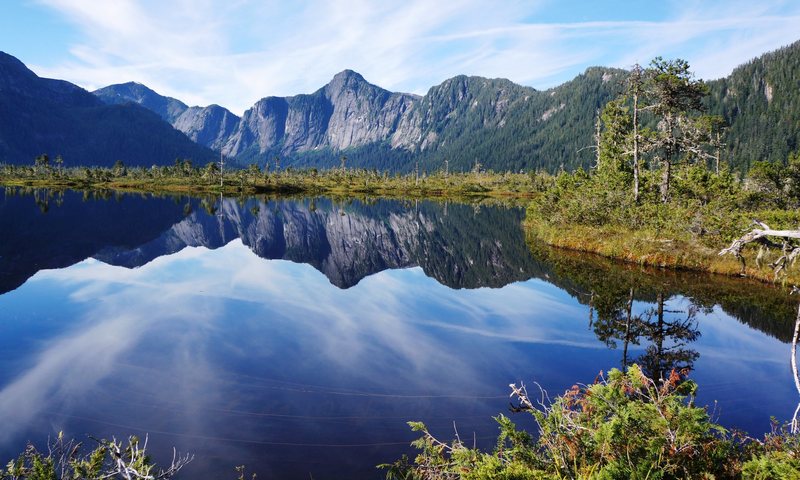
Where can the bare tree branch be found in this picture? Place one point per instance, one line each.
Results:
(762, 234)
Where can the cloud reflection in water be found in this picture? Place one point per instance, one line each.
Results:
(228, 355)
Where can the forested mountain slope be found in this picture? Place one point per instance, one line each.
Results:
(40, 115)
(760, 101)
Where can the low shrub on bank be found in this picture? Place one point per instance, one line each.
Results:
(623, 426)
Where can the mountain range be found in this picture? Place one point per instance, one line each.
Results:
(464, 120)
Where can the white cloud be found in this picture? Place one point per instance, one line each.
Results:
(164, 313)
(233, 53)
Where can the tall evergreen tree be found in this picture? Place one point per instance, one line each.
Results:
(674, 94)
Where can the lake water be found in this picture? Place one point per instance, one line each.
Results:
(297, 337)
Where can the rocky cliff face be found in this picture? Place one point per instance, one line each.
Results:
(496, 122)
(347, 112)
(210, 126)
(462, 119)
(460, 104)
(362, 113)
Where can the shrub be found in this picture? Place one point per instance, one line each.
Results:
(66, 460)
(623, 426)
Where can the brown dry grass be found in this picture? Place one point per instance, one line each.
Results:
(645, 247)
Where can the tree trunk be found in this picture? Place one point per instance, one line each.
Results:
(756, 234)
(794, 425)
(627, 332)
(636, 146)
(666, 174)
(789, 253)
(660, 337)
(597, 139)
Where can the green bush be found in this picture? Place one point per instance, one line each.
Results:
(624, 426)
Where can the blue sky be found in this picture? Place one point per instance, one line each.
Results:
(234, 52)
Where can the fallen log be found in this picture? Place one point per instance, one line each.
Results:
(762, 235)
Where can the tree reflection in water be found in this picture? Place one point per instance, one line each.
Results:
(652, 315)
(666, 333)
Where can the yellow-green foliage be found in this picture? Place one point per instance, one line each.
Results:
(772, 466)
(183, 177)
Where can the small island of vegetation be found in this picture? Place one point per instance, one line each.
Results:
(661, 194)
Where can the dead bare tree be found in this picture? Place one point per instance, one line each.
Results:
(795, 374)
(130, 462)
(635, 89)
(762, 234)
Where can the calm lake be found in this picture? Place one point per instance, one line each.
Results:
(297, 337)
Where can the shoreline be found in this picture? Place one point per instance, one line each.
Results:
(640, 248)
(463, 188)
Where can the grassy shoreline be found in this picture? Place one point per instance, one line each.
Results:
(458, 187)
(649, 248)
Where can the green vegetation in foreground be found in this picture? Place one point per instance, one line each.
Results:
(67, 460)
(661, 194)
(623, 426)
(183, 177)
(627, 425)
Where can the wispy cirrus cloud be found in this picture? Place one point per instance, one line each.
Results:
(233, 53)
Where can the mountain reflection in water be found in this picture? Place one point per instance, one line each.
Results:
(240, 360)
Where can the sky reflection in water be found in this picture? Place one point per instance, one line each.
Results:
(243, 360)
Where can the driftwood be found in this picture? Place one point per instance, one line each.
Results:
(762, 235)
